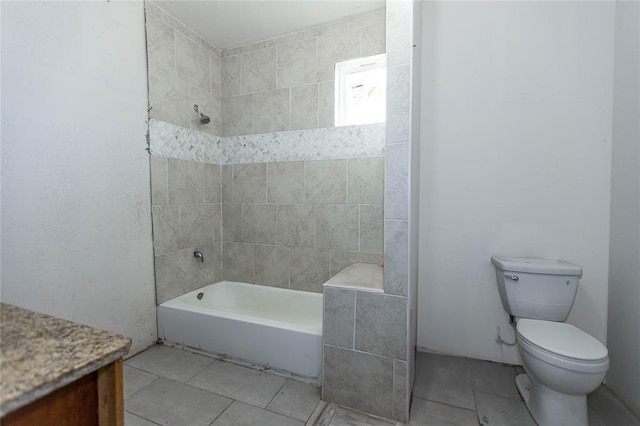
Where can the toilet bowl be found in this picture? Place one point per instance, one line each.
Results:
(563, 364)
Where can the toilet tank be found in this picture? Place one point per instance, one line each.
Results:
(537, 288)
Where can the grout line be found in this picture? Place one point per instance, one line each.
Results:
(355, 308)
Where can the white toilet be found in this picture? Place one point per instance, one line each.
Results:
(562, 362)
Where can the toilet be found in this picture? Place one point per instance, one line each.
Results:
(562, 363)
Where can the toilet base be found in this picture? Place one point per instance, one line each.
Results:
(549, 407)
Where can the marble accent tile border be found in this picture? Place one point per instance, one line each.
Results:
(311, 144)
(172, 141)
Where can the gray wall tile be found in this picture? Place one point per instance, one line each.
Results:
(304, 107)
(339, 310)
(212, 183)
(244, 49)
(330, 28)
(285, 182)
(396, 257)
(160, 46)
(381, 325)
(309, 269)
(358, 380)
(196, 225)
(258, 223)
(237, 115)
(297, 225)
(237, 262)
(326, 109)
(192, 62)
(336, 48)
(337, 226)
(159, 185)
(174, 272)
(398, 103)
(168, 98)
(343, 259)
(399, 32)
(400, 381)
(166, 231)
(217, 222)
(371, 228)
(209, 271)
(367, 19)
(186, 181)
(231, 76)
(374, 40)
(153, 10)
(231, 222)
(296, 63)
(272, 266)
(259, 70)
(227, 179)
(396, 193)
(249, 183)
(271, 111)
(325, 181)
(215, 72)
(285, 39)
(366, 180)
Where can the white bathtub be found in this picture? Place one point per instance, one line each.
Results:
(273, 327)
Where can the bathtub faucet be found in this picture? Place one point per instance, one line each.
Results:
(198, 255)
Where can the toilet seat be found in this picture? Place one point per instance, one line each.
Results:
(539, 338)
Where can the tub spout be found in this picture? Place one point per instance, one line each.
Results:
(198, 255)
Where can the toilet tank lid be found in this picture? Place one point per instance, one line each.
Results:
(536, 266)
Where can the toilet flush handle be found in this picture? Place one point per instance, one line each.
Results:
(511, 277)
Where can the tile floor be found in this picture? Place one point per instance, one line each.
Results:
(170, 386)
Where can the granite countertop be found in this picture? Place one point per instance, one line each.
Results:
(40, 353)
(359, 276)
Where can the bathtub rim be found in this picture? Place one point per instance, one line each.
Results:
(178, 303)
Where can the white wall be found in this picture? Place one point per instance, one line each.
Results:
(76, 227)
(624, 272)
(515, 160)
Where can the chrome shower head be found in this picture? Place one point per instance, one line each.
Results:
(204, 119)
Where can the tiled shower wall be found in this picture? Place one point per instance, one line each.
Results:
(184, 70)
(295, 224)
(186, 210)
(287, 83)
(322, 215)
(368, 351)
(289, 224)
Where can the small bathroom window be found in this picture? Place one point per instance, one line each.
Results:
(361, 91)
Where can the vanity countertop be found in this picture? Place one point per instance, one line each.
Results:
(359, 276)
(40, 353)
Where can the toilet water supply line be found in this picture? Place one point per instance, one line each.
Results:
(499, 340)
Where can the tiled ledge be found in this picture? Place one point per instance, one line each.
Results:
(172, 141)
(359, 276)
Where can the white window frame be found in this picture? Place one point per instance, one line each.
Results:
(342, 69)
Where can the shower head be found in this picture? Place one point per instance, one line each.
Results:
(204, 119)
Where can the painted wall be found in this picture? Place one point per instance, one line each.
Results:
(515, 160)
(624, 274)
(76, 222)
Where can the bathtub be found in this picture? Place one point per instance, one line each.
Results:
(272, 327)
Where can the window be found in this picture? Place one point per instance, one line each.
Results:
(361, 89)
